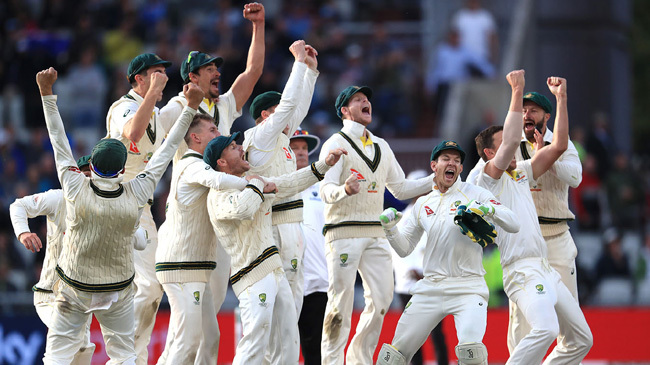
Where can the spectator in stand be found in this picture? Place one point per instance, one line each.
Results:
(477, 29)
(588, 197)
(624, 194)
(613, 262)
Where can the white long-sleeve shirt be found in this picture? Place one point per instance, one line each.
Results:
(448, 252)
(314, 263)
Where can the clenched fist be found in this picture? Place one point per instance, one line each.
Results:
(557, 85)
(45, 79)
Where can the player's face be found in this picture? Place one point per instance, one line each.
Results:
(207, 77)
(233, 156)
(447, 168)
(358, 109)
(300, 148)
(207, 132)
(497, 139)
(534, 117)
(86, 170)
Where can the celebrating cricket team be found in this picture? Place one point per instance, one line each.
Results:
(240, 209)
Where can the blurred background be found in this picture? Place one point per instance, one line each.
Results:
(437, 71)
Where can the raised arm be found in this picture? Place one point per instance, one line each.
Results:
(239, 205)
(69, 175)
(243, 85)
(145, 182)
(511, 127)
(203, 174)
(548, 155)
(568, 167)
(135, 128)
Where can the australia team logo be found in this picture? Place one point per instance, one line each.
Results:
(540, 289)
(372, 187)
(197, 298)
(148, 157)
(344, 259)
(262, 297)
(294, 264)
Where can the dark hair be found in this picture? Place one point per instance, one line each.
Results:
(485, 139)
(198, 117)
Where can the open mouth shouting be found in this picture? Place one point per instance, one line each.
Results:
(529, 125)
(450, 174)
(365, 111)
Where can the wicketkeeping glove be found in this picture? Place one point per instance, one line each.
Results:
(390, 217)
(474, 226)
(481, 209)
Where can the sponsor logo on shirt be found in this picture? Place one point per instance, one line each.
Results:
(494, 202)
(74, 169)
(133, 149)
(454, 206)
(126, 113)
(428, 210)
(358, 175)
(287, 154)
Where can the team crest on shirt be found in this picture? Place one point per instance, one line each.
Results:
(428, 210)
(358, 175)
(133, 149)
(148, 157)
(197, 298)
(287, 154)
(294, 264)
(454, 206)
(540, 289)
(344, 259)
(372, 187)
(262, 297)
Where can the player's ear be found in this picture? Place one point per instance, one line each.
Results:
(345, 111)
(433, 165)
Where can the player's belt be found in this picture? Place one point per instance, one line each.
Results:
(94, 288)
(545, 220)
(261, 258)
(327, 227)
(188, 265)
(287, 206)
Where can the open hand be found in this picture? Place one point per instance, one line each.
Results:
(334, 156)
(30, 240)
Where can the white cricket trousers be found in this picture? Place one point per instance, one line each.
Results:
(549, 308)
(44, 304)
(371, 256)
(289, 239)
(432, 300)
(191, 321)
(562, 252)
(148, 291)
(268, 312)
(64, 337)
(218, 283)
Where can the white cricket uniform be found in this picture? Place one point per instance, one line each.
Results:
(242, 222)
(50, 204)
(550, 194)
(355, 241)
(453, 270)
(531, 283)
(96, 265)
(224, 112)
(269, 154)
(402, 266)
(148, 290)
(185, 259)
(314, 261)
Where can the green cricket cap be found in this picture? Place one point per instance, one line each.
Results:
(142, 62)
(83, 161)
(345, 95)
(264, 101)
(540, 100)
(108, 157)
(216, 146)
(447, 145)
(194, 61)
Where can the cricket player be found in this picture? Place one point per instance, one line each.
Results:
(203, 70)
(528, 279)
(242, 223)
(551, 195)
(312, 314)
(96, 267)
(135, 121)
(453, 280)
(353, 192)
(52, 205)
(187, 251)
(277, 116)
